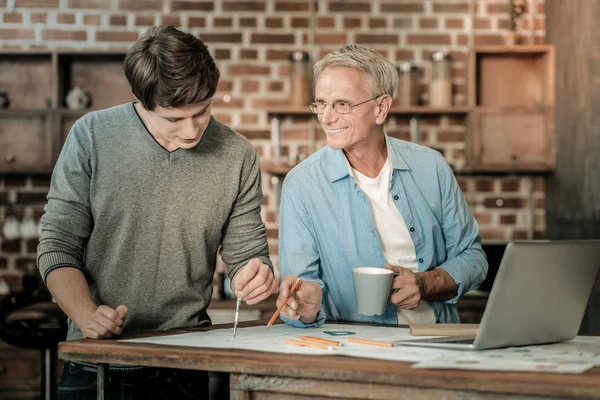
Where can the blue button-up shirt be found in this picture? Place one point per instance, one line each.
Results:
(326, 228)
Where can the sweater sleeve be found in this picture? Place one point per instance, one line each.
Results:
(245, 235)
(67, 221)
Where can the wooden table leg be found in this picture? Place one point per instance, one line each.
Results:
(101, 380)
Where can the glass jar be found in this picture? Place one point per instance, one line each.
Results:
(300, 92)
(407, 91)
(440, 86)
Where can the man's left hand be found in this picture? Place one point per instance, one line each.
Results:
(254, 282)
(409, 288)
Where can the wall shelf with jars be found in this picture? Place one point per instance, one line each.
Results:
(42, 93)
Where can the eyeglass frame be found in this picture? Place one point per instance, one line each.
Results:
(313, 104)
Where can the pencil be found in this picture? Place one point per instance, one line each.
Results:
(319, 340)
(371, 342)
(292, 290)
(308, 344)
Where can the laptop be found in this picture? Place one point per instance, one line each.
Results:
(539, 296)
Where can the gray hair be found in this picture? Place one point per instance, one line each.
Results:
(382, 75)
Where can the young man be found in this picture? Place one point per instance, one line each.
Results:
(367, 199)
(142, 196)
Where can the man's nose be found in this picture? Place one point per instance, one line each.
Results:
(328, 114)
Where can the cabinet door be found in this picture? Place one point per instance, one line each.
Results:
(511, 140)
(25, 142)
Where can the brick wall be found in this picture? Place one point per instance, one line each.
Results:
(251, 41)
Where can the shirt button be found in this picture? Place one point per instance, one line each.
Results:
(420, 260)
(396, 197)
(412, 229)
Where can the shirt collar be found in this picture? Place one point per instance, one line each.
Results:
(339, 169)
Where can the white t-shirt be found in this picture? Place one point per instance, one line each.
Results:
(398, 247)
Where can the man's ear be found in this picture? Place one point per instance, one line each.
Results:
(384, 103)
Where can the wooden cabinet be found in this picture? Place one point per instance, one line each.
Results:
(37, 120)
(511, 124)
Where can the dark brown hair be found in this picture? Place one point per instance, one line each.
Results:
(170, 68)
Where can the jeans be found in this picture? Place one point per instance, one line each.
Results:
(79, 383)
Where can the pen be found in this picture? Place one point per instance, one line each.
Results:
(319, 340)
(237, 314)
(308, 344)
(292, 290)
(371, 342)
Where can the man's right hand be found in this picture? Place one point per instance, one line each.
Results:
(104, 322)
(304, 303)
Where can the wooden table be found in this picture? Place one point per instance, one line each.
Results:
(261, 375)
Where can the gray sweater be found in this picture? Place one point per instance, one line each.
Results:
(144, 225)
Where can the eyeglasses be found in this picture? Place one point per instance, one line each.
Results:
(340, 107)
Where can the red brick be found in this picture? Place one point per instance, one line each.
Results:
(232, 103)
(325, 22)
(247, 22)
(266, 38)
(345, 6)
(64, 35)
(40, 180)
(17, 33)
(377, 39)
(171, 20)
(445, 137)
(291, 6)
(3, 260)
(95, 20)
(375, 23)
(118, 20)
(510, 219)
(428, 39)
(512, 185)
(146, 20)
(540, 24)
(483, 219)
(300, 22)
(221, 37)
(278, 55)
(405, 55)
(222, 54)
(484, 185)
(462, 40)
(248, 54)
(330, 38)
(483, 23)
(451, 8)
(39, 18)
(192, 5)
(492, 234)
(428, 23)
(350, 23)
(455, 23)
(198, 22)
(96, 4)
(488, 40)
(11, 246)
(231, 6)
(403, 8)
(274, 22)
(498, 8)
(275, 86)
(250, 119)
(540, 186)
(116, 36)
(31, 197)
(503, 23)
(506, 203)
(145, 5)
(12, 17)
(224, 86)
(36, 3)
(248, 69)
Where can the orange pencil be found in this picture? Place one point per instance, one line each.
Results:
(371, 342)
(319, 340)
(308, 344)
(292, 290)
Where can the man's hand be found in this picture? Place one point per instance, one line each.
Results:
(409, 288)
(304, 303)
(254, 282)
(103, 322)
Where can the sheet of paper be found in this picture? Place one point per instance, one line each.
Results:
(575, 356)
(476, 361)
